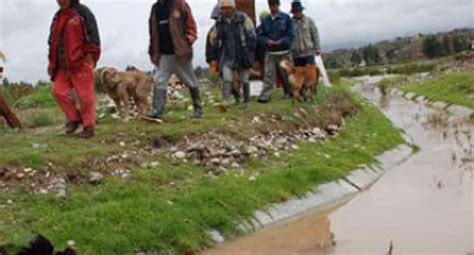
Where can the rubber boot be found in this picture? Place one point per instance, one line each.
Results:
(247, 95)
(159, 102)
(237, 95)
(197, 105)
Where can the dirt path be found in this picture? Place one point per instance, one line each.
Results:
(423, 206)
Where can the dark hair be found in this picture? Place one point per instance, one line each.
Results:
(273, 2)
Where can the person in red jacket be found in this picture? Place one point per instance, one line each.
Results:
(74, 49)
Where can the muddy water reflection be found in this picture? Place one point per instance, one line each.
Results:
(308, 235)
(426, 204)
(423, 206)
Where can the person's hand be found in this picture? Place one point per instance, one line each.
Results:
(90, 60)
(213, 67)
(272, 43)
(191, 39)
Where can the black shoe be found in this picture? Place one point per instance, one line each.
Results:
(154, 115)
(87, 133)
(72, 127)
(197, 114)
(263, 100)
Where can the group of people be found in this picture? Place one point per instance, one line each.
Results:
(234, 44)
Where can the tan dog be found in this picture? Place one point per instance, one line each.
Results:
(124, 86)
(301, 78)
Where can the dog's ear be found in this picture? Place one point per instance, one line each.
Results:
(104, 76)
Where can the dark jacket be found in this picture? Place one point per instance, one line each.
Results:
(243, 37)
(74, 35)
(183, 31)
(279, 29)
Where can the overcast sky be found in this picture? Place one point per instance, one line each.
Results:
(24, 27)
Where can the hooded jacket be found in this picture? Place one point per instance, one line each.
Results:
(243, 38)
(74, 37)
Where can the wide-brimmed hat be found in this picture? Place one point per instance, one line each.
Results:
(296, 6)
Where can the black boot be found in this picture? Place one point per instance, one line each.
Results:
(237, 95)
(247, 95)
(159, 102)
(196, 97)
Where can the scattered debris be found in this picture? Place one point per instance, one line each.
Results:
(95, 177)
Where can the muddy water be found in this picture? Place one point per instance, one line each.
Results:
(423, 206)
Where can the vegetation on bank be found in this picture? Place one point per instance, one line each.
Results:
(403, 69)
(169, 208)
(453, 88)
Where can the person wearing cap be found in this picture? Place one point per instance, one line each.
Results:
(233, 51)
(74, 49)
(173, 31)
(276, 35)
(306, 44)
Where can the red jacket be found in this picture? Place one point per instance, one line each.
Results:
(183, 31)
(71, 41)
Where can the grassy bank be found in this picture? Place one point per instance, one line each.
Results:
(454, 88)
(168, 208)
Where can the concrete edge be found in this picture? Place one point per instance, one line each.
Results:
(324, 195)
(452, 109)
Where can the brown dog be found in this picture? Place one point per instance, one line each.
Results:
(301, 78)
(123, 86)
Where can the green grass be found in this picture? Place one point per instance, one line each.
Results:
(454, 88)
(40, 97)
(168, 209)
(401, 69)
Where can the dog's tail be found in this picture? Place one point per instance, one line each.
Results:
(287, 65)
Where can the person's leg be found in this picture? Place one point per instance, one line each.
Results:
(162, 75)
(185, 72)
(61, 91)
(83, 83)
(227, 79)
(62, 88)
(269, 78)
(245, 80)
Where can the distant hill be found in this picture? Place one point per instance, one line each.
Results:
(402, 49)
